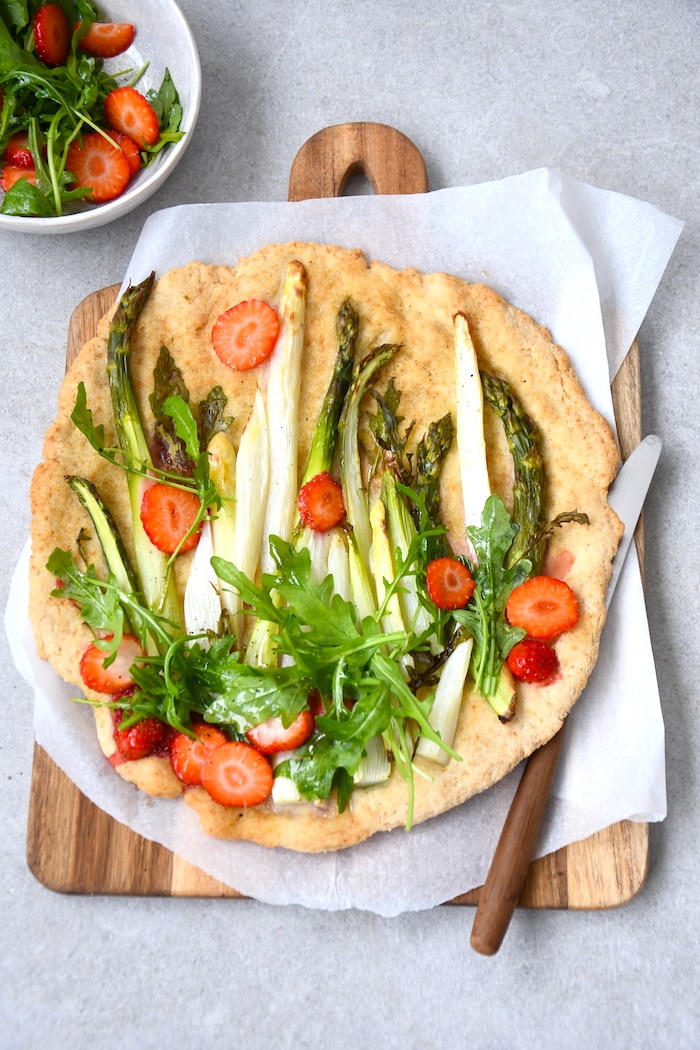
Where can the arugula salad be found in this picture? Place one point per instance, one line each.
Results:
(72, 132)
(342, 653)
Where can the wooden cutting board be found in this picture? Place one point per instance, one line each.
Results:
(74, 847)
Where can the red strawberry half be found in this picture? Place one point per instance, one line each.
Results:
(449, 583)
(52, 34)
(17, 152)
(10, 175)
(167, 514)
(127, 110)
(128, 148)
(116, 676)
(141, 739)
(245, 336)
(320, 503)
(108, 39)
(543, 606)
(237, 774)
(532, 660)
(187, 755)
(99, 166)
(271, 735)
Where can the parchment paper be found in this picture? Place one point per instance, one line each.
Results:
(585, 263)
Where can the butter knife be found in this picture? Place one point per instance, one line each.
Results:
(506, 877)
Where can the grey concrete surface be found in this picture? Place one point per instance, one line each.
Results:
(609, 93)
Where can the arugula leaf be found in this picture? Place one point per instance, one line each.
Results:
(248, 695)
(485, 619)
(83, 420)
(261, 601)
(23, 198)
(178, 410)
(104, 606)
(322, 765)
(369, 716)
(15, 13)
(168, 109)
(100, 605)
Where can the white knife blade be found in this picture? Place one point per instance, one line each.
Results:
(627, 495)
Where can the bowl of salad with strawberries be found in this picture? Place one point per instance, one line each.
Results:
(98, 102)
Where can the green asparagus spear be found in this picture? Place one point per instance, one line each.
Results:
(384, 426)
(169, 450)
(110, 539)
(153, 567)
(430, 456)
(325, 437)
(326, 432)
(529, 483)
(354, 489)
(420, 472)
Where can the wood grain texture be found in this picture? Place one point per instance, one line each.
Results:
(73, 847)
(324, 164)
(506, 877)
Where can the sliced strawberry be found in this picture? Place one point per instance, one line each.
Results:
(187, 755)
(167, 515)
(320, 503)
(127, 110)
(237, 774)
(17, 152)
(99, 166)
(271, 735)
(128, 148)
(245, 336)
(108, 39)
(543, 606)
(449, 582)
(52, 34)
(532, 661)
(141, 739)
(10, 175)
(116, 677)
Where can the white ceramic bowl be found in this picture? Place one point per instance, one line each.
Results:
(164, 40)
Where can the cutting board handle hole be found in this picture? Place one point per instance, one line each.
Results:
(330, 163)
(356, 184)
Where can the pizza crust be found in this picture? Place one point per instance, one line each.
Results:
(417, 311)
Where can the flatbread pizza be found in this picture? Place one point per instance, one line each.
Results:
(324, 544)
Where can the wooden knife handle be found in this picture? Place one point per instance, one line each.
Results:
(504, 883)
(389, 160)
